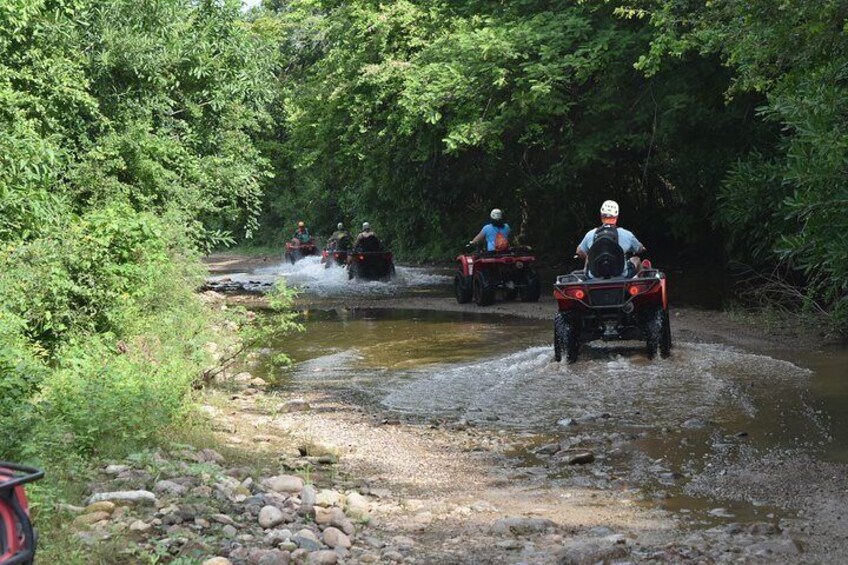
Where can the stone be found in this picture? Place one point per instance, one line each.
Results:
(580, 458)
(295, 405)
(393, 555)
(102, 506)
(308, 496)
(332, 516)
(334, 538)
(548, 449)
(243, 377)
(284, 483)
(357, 505)
(258, 383)
(276, 537)
(274, 557)
(306, 539)
(589, 553)
(169, 487)
(270, 516)
(520, 526)
(140, 526)
(116, 469)
(90, 518)
(322, 557)
(218, 561)
(222, 519)
(124, 496)
(329, 498)
(209, 456)
(229, 531)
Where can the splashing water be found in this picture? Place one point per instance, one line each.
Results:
(310, 276)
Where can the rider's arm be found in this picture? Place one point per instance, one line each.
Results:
(478, 238)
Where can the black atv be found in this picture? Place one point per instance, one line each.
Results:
(482, 273)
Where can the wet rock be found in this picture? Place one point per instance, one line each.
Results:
(284, 483)
(589, 553)
(334, 538)
(520, 526)
(124, 497)
(720, 513)
(695, 424)
(567, 422)
(579, 457)
(323, 557)
(102, 506)
(270, 516)
(294, 405)
(547, 449)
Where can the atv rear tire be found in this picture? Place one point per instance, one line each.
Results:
(653, 332)
(665, 336)
(462, 288)
(566, 341)
(483, 291)
(353, 271)
(532, 289)
(510, 294)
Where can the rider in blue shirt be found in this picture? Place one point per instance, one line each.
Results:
(626, 239)
(496, 233)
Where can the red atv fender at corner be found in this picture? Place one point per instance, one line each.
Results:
(17, 537)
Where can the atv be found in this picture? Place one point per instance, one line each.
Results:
(334, 256)
(611, 308)
(296, 252)
(370, 265)
(17, 536)
(482, 273)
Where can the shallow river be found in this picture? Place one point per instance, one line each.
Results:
(660, 425)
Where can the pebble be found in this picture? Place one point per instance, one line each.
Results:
(518, 525)
(322, 557)
(334, 538)
(124, 496)
(308, 497)
(102, 506)
(218, 561)
(284, 483)
(306, 539)
(223, 519)
(91, 518)
(270, 516)
(140, 526)
(229, 531)
(580, 458)
(295, 405)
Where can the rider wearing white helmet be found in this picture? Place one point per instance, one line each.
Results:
(496, 233)
(340, 238)
(367, 240)
(626, 239)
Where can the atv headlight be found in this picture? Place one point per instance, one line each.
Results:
(519, 265)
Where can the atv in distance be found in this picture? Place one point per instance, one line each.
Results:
(17, 536)
(333, 256)
(370, 265)
(296, 252)
(612, 308)
(482, 273)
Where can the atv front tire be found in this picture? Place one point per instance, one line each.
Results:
(566, 340)
(483, 291)
(462, 288)
(532, 289)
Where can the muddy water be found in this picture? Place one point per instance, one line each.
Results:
(654, 425)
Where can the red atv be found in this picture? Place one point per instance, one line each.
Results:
(370, 265)
(611, 308)
(295, 252)
(334, 257)
(17, 537)
(482, 273)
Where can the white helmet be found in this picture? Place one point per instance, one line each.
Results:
(496, 214)
(340, 226)
(610, 209)
(366, 226)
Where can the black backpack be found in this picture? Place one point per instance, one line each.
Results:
(606, 257)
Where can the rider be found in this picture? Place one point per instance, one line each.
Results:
(496, 233)
(626, 239)
(340, 238)
(301, 235)
(367, 240)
